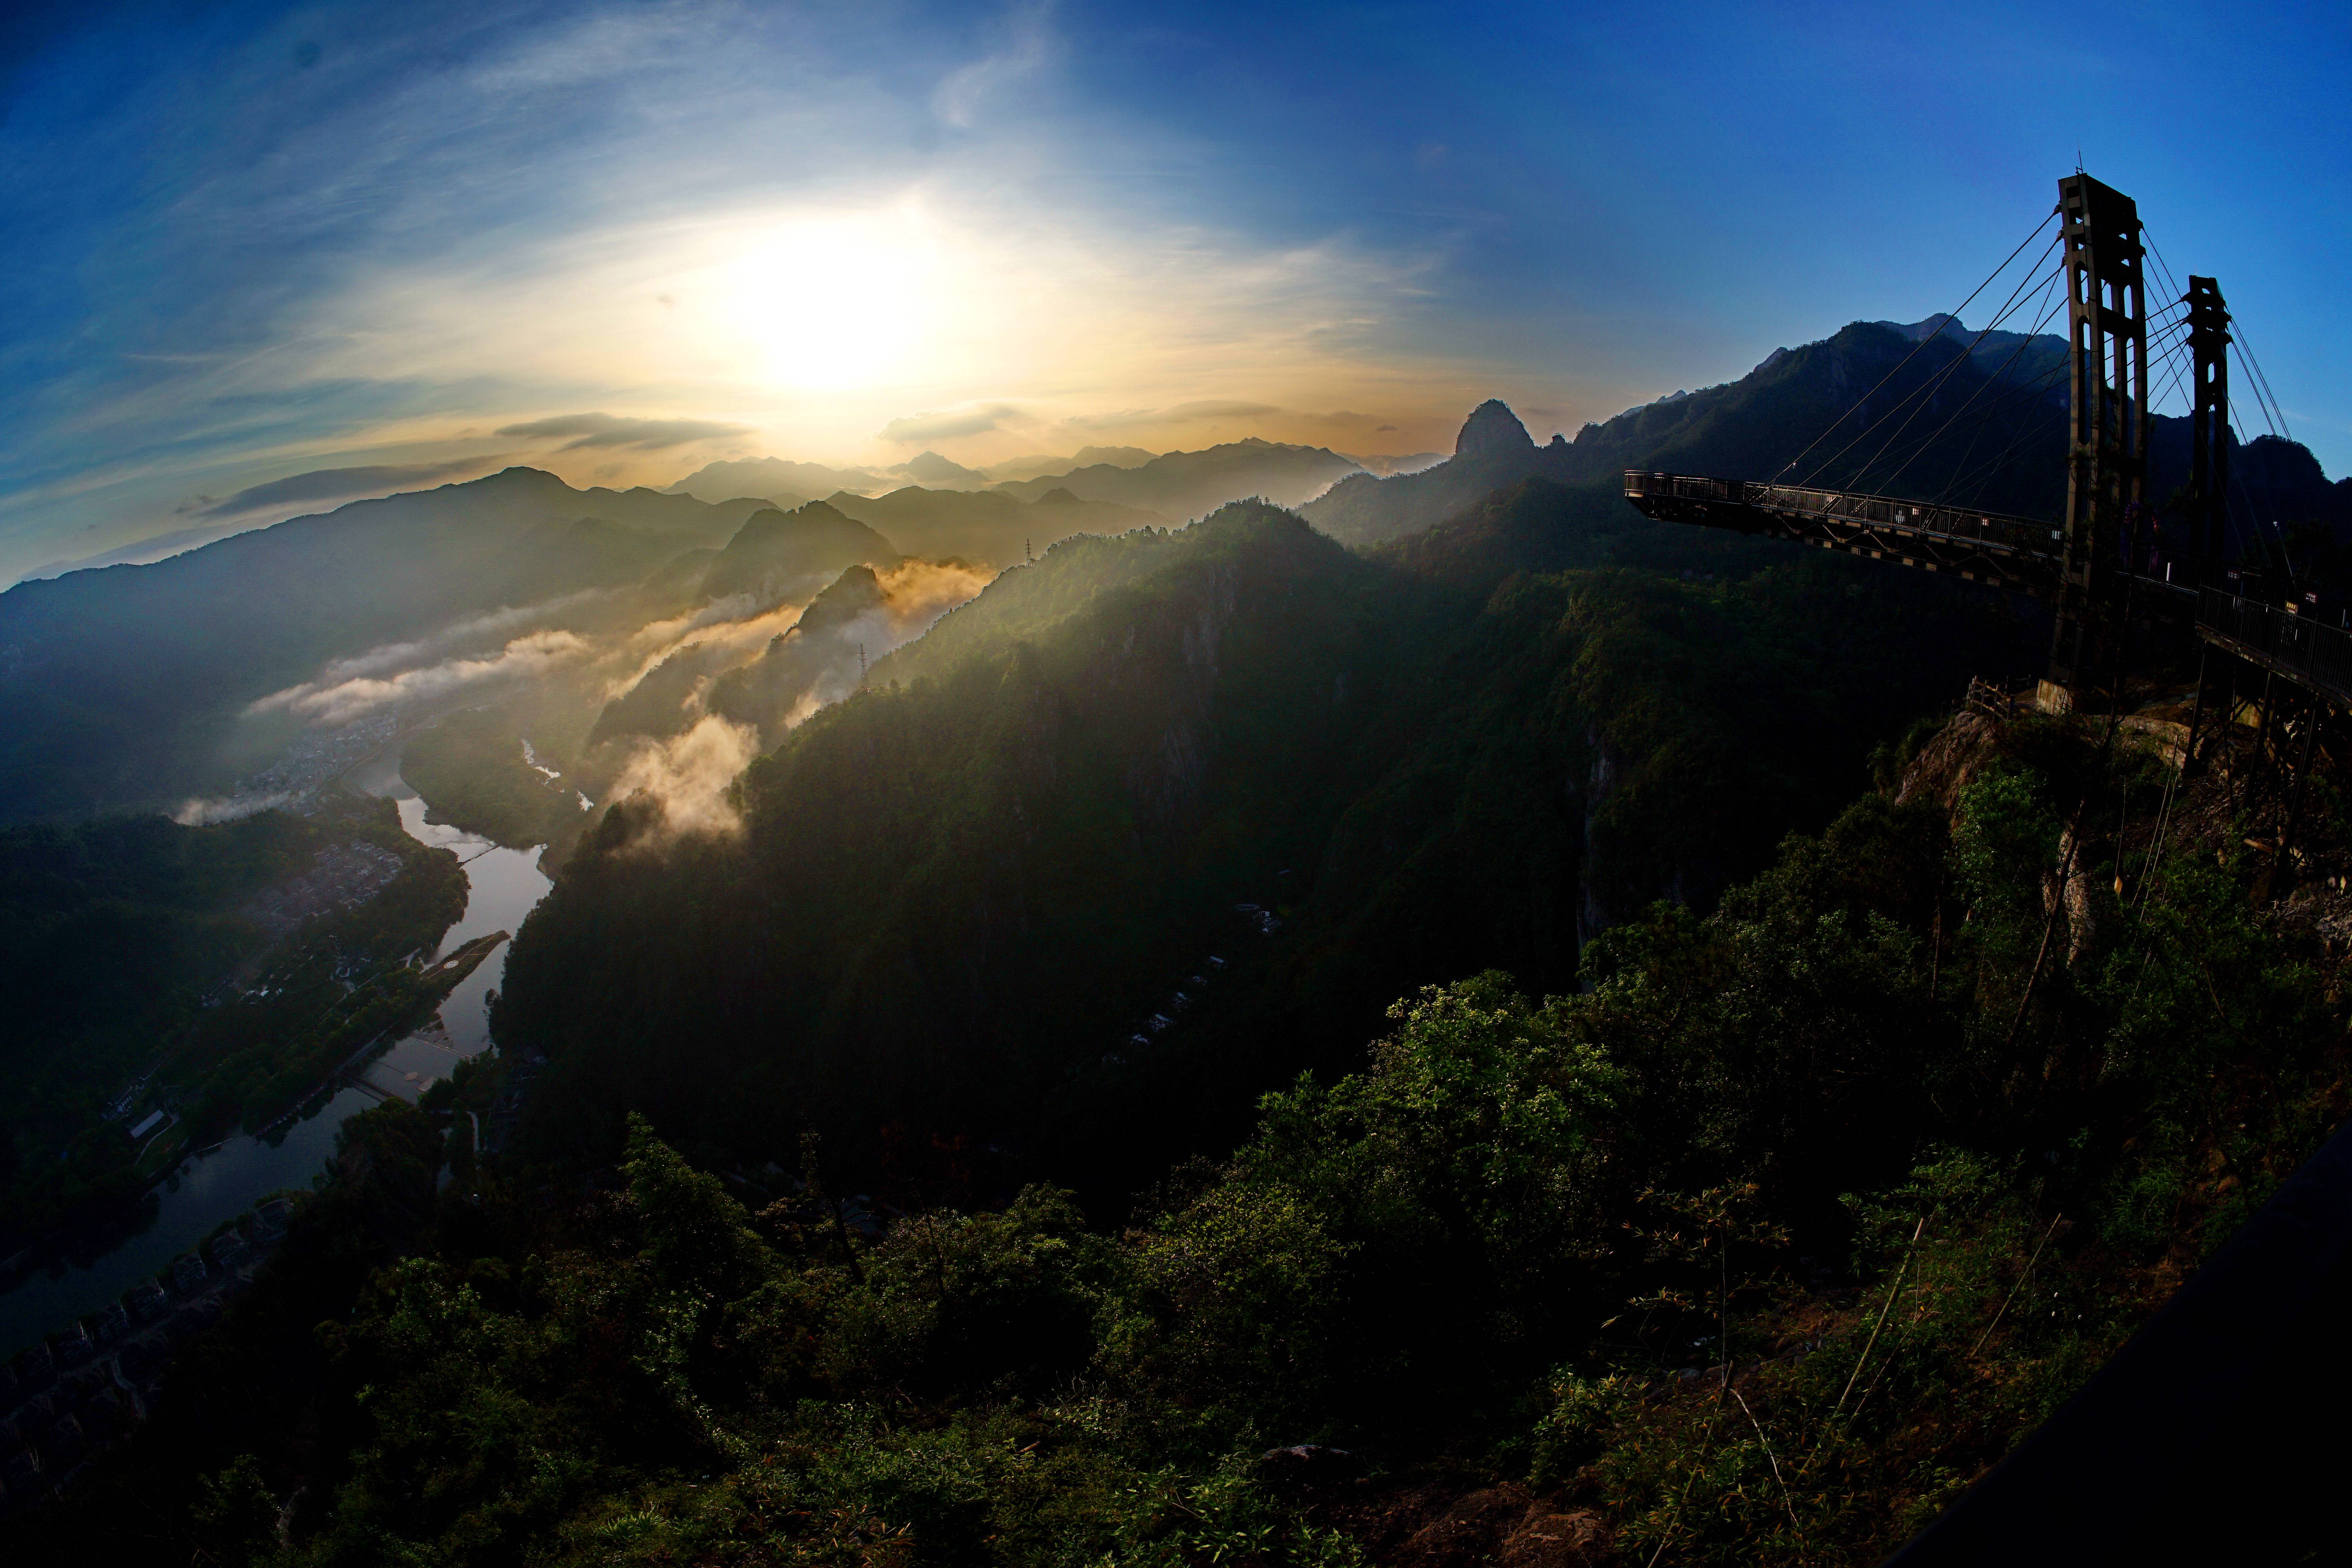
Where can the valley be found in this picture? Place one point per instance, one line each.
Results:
(1326, 1025)
(1043, 785)
(430, 1014)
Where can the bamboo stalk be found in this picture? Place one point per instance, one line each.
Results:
(2013, 1289)
(1851, 1378)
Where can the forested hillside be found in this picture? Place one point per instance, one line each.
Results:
(121, 942)
(1187, 484)
(1046, 785)
(1752, 1244)
(989, 525)
(1548, 1037)
(124, 688)
(962, 894)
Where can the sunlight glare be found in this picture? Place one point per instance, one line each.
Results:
(834, 304)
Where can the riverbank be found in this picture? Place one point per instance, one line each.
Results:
(201, 1192)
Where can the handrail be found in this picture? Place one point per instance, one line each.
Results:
(1992, 531)
(2296, 644)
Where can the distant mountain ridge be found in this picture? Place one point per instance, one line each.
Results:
(1386, 464)
(118, 685)
(988, 525)
(1990, 434)
(776, 552)
(1188, 484)
(776, 480)
(963, 886)
(1173, 486)
(931, 469)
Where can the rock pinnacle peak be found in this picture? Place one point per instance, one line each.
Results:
(1492, 428)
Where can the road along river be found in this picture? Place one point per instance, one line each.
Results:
(502, 887)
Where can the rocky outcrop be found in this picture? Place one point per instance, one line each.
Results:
(1947, 764)
(1492, 428)
(1492, 451)
(775, 553)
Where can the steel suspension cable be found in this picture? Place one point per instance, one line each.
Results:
(1904, 401)
(2027, 391)
(1982, 475)
(2171, 361)
(2265, 398)
(2246, 354)
(1926, 394)
(1922, 344)
(1998, 377)
(2261, 404)
(2030, 392)
(2254, 515)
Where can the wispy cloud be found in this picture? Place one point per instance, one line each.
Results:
(1220, 408)
(140, 551)
(1023, 47)
(454, 637)
(499, 217)
(916, 427)
(203, 811)
(691, 777)
(330, 703)
(1193, 413)
(614, 430)
(335, 484)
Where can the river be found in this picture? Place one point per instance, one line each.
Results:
(502, 886)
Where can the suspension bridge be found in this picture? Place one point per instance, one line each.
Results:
(2206, 1393)
(2116, 558)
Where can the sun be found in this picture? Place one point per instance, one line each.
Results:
(836, 302)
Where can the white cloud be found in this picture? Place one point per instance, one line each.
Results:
(331, 702)
(204, 812)
(948, 426)
(1026, 48)
(394, 656)
(691, 776)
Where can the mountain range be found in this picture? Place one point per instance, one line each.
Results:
(1039, 464)
(1180, 485)
(778, 554)
(784, 481)
(777, 480)
(1893, 409)
(1188, 485)
(992, 526)
(962, 889)
(1003, 1047)
(124, 686)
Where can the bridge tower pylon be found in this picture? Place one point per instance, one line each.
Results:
(2106, 475)
(2208, 426)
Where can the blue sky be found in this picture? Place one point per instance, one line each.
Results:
(250, 245)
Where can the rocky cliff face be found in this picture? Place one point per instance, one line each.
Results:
(1494, 451)
(1492, 427)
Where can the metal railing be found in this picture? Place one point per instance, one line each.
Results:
(1994, 530)
(1684, 487)
(2298, 646)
